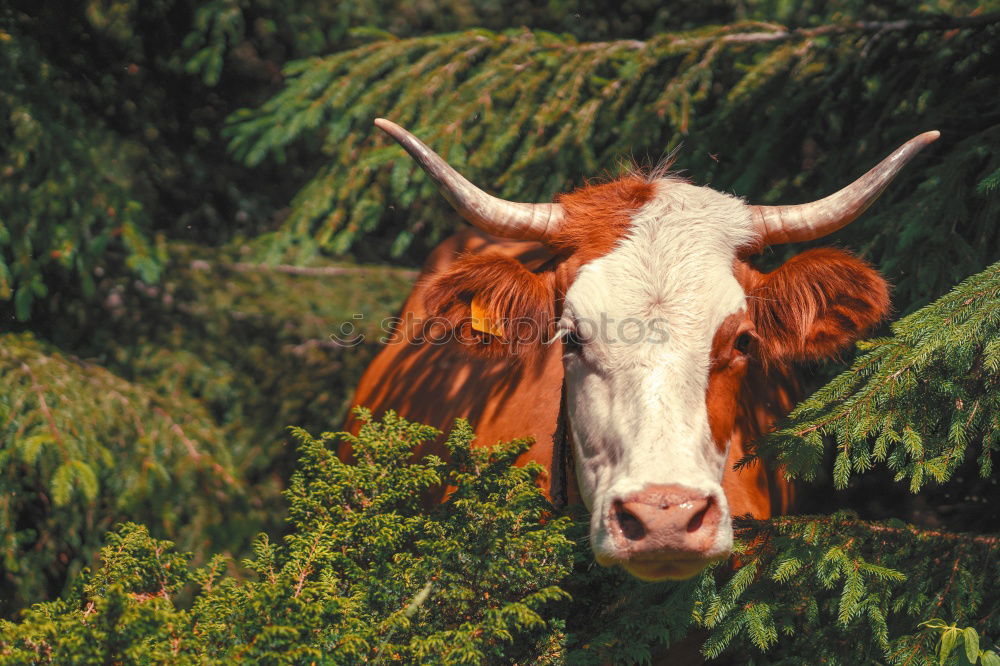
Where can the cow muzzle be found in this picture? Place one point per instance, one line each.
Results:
(668, 532)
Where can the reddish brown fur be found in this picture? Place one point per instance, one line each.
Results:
(726, 372)
(814, 305)
(435, 384)
(520, 301)
(598, 216)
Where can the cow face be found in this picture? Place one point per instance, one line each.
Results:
(660, 320)
(659, 334)
(639, 325)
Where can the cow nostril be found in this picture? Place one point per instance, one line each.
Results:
(631, 527)
(696, 521)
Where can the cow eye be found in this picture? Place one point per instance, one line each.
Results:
(566, 333)
(572, 343)
(743, 342)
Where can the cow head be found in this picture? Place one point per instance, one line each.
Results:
(660, 318)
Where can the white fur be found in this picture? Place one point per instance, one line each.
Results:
(637, 410)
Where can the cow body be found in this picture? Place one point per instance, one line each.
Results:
(634, 304)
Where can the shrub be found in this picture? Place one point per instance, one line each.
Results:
(367, 572)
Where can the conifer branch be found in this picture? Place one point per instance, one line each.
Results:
(81, 440)
(528, 115)
(750, 527)
(43, 405)
(310, 271)
(941, 23)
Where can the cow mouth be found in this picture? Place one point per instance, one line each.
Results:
(661, 567)
(653, 570)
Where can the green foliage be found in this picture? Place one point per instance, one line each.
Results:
(69, 197)
(918, 402)
(862, 587)
(967, 640)
(99, 619)
(761, 111)
(367, 572)
(219, 357)
(299, 28)
(109, 123)
(82, 449)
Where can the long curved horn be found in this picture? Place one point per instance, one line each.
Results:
(791, 224)
(508, 219)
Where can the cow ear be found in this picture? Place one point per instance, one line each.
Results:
(493, 305)
(815, 305)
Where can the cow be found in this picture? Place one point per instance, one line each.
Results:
(626, 322)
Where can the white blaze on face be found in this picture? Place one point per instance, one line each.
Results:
(647, 313)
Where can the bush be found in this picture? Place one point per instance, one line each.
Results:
(367, 573)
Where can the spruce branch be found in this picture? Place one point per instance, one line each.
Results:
(528, 115)
(86, 448)
(748, 527)
(938, 23)
(917, 401)
(308, 271)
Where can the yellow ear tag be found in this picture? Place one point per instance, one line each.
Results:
(483, 321)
